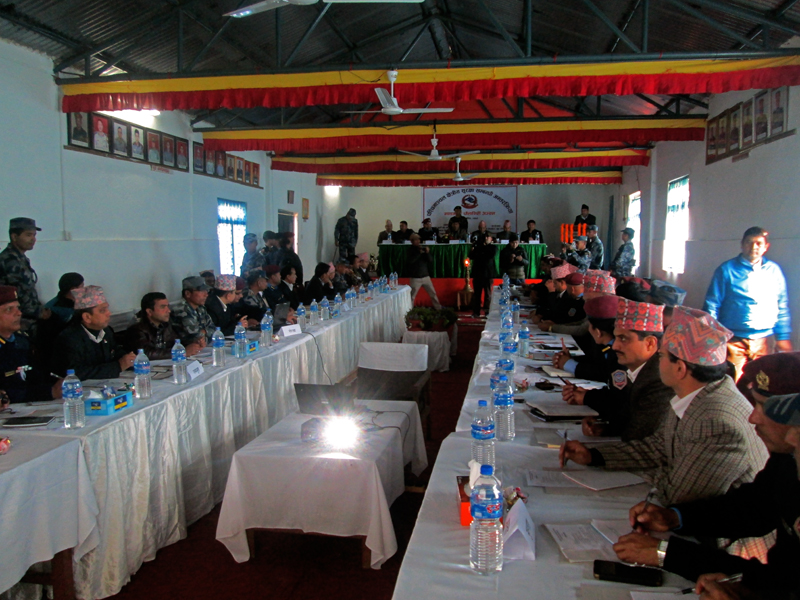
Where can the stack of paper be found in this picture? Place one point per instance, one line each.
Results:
(581, 543)
(599, 479)
(559, 411)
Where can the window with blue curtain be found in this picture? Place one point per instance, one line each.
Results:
(677, 230)
(231, 228)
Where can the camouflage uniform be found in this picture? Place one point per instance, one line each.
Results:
(250, 262)
(16, 270)
(595, 247)
(340, 283)
(579, 258)
(346, 233)
(191, 324)
(624, 261)
(271, 256)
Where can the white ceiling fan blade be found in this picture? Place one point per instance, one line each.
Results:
(386, 99)
(422, 111)
(457, 154)
(257, 7)
(413, 153)
(371, 1)
(361, 112)
(468, 177)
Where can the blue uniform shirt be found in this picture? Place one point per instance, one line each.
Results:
(751, 302)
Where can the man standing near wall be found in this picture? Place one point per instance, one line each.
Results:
(345, 236)
(595, 247)
(748, 296)
(585, 217)
(16, 270)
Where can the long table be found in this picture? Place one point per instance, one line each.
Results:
(448, 259)
(437, 559)
(161, 465)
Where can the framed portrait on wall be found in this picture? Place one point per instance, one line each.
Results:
(735, 129)
(168, 150)
(256, 173)
(248, 171)
(120, 141)
(239, 169)
(305, 209)
(211, 161)
(761, 116)
(220, 168)
(154, 147)
(779, 103)
(711, 140)
(722, 135)
(747, 124)
(100, 133)
(182, 154)
(198, 156)
(78, 129)
(230, 167)
(138, 140)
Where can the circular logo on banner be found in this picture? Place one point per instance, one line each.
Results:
(469, 202)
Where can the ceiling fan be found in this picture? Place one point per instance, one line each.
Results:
(459, 176)
(390, 105)
(434, 154)
(265, 5)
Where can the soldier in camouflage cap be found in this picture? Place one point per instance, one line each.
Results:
(625, 259)
(16, 270)
(191, 320)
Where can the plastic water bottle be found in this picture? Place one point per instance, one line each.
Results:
(300, 313)
(523, 347)
(141, 378)
(370, 291)
(266, 331)
(179, 363)
(324, 310)
(240, 341)
(337, 306)
(508, 352)
(494, 380)
(515, 312)
(504, 410)
(72, 392)
(362, 294)
(483, 434)
(486, 531)
(313, 310)
(218, 348)
(506, 326)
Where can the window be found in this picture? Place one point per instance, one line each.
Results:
(635, 223)
(677, 232)
(231, 227)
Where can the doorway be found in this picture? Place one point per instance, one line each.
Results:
(287, 221)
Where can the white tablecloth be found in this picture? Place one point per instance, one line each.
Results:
(279, 482)
(161, 465)
(440, 349)
(47, 504)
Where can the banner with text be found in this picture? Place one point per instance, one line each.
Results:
(493, 204)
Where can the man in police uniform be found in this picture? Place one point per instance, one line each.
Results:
(270, 251)
(16, 270)
(345, 235)
(625, 259)
(427, 233)
(191, 320)
(580, 256)
(21, 377)
(253, 259)
(595, 247)
(463, 223)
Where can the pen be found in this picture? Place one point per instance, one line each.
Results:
(732, 579)
(566, 439)
(647, 502)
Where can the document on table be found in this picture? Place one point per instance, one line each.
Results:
(599, 479)
(612, 529)
(661, 594)
(537, 478)
(581, 543)
(554, 411)
(576, 435)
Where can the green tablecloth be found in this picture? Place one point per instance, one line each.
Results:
(448, 259)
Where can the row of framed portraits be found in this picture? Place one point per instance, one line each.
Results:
(754, 121)
(115, 137)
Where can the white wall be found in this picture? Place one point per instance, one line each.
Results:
(120, 224)
(548, 205)
(726, 198)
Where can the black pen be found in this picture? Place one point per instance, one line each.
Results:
(732, 579)
(647, 501)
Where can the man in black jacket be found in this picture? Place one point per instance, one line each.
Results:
(483, 270)
(321, 285)
(87, 344)
(418, 269)
(769, 503)
(217, 305)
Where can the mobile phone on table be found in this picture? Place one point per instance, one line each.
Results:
(614, 571)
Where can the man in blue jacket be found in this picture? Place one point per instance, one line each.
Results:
(748, 296)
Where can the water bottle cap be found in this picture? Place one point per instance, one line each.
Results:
(487, 470)
(141, 351)
(177, 341)
(502, 378)
(70, 372)
(482, 403)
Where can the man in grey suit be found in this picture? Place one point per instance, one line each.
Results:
(705, 445)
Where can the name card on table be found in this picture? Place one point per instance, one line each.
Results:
(387, 242)
(502, 241)
(346, 307)
(519, 536)
(290, 330)
(194, 369)
(429, 242)
(407, 242)
(455, 241)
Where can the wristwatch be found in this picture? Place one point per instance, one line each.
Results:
(661, 552)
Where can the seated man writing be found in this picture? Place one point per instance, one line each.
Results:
(87, 345)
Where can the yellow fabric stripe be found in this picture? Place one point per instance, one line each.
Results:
(492, 175)
(405, 158)
(409, 76)
(451, 129)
